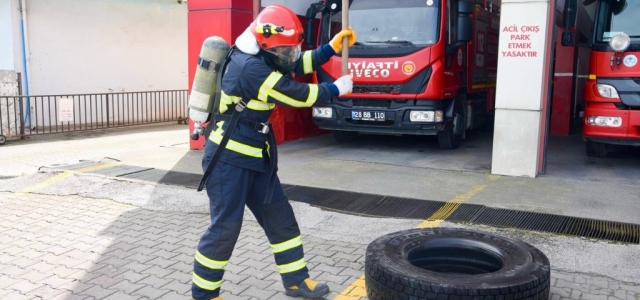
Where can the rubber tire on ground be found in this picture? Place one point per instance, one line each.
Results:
(389, 274)
(596, 149)
(3, 139)
(344, 136)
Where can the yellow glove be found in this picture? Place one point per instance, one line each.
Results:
(336, 42)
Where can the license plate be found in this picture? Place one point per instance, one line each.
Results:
(368, 115)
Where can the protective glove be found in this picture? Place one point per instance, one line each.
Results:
(336, 42)
(344, 85)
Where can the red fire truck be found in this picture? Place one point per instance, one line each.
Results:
(612, 94)
(420, 67)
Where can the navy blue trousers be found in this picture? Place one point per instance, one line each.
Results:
(230, 188)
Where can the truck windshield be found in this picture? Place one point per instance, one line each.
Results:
(609, 24)
(399, 23)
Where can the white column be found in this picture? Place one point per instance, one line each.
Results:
(524, 64)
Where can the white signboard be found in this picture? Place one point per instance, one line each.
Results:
(521, 55)
(65, 110)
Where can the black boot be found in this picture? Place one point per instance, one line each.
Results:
(308, 289)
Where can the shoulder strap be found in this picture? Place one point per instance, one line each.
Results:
(235, 116)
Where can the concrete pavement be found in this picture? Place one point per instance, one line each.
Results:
(84, 236)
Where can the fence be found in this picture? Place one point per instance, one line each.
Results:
(67, 113)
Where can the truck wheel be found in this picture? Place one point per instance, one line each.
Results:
(596, 149)
(451, 136)
(3, 139)
(448, 263)
(344, 136)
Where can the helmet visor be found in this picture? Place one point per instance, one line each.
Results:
(286, 55)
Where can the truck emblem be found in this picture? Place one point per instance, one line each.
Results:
(460, 57)
(408, 67)
(630, 60)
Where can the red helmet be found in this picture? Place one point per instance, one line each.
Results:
(278, 31)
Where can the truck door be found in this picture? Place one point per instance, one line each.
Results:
(455, 55)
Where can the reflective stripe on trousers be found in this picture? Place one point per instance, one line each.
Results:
(229, 188)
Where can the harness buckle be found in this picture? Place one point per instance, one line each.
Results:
(240, 105)
(265, 128)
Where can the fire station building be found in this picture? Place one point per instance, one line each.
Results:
(543, 67)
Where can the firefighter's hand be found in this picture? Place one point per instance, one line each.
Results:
(336, 42)
(344, 85)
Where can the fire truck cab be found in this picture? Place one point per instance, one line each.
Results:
(420, 67)
(612, 93)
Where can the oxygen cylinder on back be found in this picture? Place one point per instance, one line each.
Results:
(201, 100)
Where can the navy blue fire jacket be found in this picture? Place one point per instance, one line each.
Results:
(249, 77)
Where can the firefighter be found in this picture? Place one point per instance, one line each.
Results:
(257, 77)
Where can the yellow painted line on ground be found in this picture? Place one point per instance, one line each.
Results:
(63, 175)
(357, 290)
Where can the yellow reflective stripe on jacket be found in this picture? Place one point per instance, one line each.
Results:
(311, 99)
(292, 267)
(313, 95)
(210, 263)
(284, 246)
(226, 100)
(307, 62)
(206, 284)
(232, 145)
(258, 105)
(268, 85)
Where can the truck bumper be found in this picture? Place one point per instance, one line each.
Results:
(627, 134)
(396, 120)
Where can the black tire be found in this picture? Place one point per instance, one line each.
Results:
(596, 149)
(344, 136)
(454, 264)
(451, 136)
(3, 139)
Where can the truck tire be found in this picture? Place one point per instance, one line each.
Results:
(344, 136)
(446, 263)
(3, 139)
(451, 136)
(596, 149)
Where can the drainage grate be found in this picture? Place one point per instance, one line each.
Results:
(381, 206)
(386, 206)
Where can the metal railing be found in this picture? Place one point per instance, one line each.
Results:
(79, 112)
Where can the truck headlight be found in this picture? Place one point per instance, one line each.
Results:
(323, 112)
(607, 91)
(425, 116)
(604, 121)
(620, 42)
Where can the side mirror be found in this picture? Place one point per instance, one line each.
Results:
(465, 7)
(569, 17)
(465, 29)
(309, 32)
(570, 13)
(334, 6)
(618, 6)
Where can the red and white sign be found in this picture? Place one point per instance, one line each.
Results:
(521, 56)
(65, 110)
